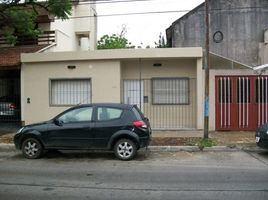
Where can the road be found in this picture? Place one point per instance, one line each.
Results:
(152, 175)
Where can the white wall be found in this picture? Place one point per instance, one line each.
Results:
(81, 24)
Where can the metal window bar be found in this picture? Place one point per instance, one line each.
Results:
(221, 100)
(243, 101)
(225, 95)
(239, 102)
(248, 97)
(70, 91)
(224, 101)
(229, 102)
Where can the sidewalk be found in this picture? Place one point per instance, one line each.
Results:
(223, 138)
(190, 138)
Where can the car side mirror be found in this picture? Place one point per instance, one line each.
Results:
(58, 122)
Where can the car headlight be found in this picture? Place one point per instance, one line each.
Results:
(19, 131)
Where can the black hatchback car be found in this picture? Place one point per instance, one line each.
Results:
(262, 136)
(118, 127)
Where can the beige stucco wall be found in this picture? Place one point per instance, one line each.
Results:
(170, 116)
(169, 68)
(105, 82)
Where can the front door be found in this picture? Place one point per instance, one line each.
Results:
(133, 92)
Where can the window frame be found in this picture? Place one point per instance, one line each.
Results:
(108, 107)
(171, 78)
(67, 79)
(72, 110)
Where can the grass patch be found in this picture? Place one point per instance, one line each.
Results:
(206, 142)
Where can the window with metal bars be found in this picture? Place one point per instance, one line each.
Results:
(170, 91)
(243, 90)
(225, 90)
(70, 91)
(262, 90)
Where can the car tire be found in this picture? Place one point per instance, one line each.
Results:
(125, 149)
(32, 148)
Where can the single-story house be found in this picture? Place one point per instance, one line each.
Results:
(167, 84)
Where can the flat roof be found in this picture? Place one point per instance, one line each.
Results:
(113, 54)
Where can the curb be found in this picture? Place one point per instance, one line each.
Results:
(11, 147)
(191, 149)
(7, 147)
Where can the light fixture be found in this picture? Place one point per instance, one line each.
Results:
(71, 66)
(157, 64)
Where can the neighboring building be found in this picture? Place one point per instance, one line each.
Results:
(238, 30)
(162, 82)
(78, 33)
(238, 97)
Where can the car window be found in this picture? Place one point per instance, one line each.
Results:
(77, 115)
(104, 113)
(137, 113)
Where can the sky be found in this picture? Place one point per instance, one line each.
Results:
(142, 30)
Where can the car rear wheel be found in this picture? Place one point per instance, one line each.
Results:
(32, 148)
(125, 149)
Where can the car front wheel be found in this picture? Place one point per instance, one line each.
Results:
(125, 149)
(32, 148)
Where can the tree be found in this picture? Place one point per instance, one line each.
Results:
(115, 41)
(19, 16)
(161, 42)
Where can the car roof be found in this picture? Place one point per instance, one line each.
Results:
(114, 105)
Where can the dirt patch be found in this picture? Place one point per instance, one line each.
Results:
(175, 141)
(6, 139)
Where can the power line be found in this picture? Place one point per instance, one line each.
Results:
(137, 13)
(154, 12)
(110, 1)
(168, 11)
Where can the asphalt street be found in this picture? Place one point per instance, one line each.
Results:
(152, 175)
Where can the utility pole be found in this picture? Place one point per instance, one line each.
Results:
(206, 63)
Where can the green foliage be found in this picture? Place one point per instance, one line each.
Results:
(11, 39)
(206, 142)
(60, 8)
(114, 42)
(18, 17)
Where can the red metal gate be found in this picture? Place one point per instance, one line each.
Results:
(241, 102)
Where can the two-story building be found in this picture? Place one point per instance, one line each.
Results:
(78, 33)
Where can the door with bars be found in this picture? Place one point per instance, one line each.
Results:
(133, 92)
(241, 102)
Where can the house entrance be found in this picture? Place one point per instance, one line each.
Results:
(241, 102)
(169, 103)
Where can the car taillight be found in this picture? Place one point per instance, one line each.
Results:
(140, 124)
(12, 106)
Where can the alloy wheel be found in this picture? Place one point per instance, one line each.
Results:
(125, 149)
(32, 148)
